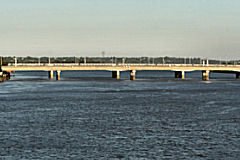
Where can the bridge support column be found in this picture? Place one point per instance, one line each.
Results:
(50, 74)
(9, 75)
(6, 75)
(180, 74)
(133, 75)
(238, 75)
(116, 74)
(58, 75)
(205, 75)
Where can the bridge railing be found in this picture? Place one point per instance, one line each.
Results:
(119, 64)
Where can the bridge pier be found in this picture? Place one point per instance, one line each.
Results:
(238, 75)
(180, 74)
(6, 75)
(58, 75)
(116, 74)
(133, 75)
(205, 75)
(50, 74)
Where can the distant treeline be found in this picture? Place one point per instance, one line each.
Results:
(146, 60)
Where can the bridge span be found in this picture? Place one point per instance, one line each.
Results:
(179, 69)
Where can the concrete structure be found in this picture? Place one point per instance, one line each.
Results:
(132, 75)
(179, 69)
(116, 74)
(58, 75)
(238, 75)
(180, 74)
(5, 75)
(50, 74)
(205, 75)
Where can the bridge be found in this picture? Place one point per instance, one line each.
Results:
(179, 69)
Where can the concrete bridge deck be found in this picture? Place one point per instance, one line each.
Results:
(179, 69)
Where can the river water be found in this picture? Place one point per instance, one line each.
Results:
(88, 115)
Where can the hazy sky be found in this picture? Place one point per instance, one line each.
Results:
(194, 28)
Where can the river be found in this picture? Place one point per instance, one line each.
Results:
(88, 115)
